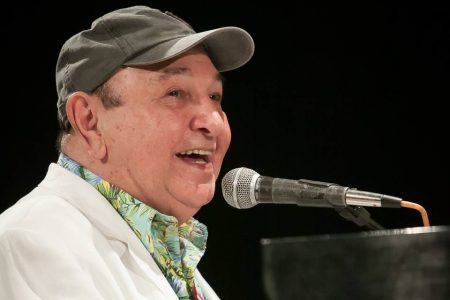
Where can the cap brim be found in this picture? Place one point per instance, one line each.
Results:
(228, 47)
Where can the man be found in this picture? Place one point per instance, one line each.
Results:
(142, 142)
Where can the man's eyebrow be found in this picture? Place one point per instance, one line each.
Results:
(170, 72)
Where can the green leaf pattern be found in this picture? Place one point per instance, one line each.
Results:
(177, 249)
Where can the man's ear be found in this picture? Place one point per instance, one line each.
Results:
(82, 112)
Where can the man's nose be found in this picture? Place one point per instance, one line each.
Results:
(208, 118)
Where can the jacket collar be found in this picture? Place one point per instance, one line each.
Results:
(104, 217)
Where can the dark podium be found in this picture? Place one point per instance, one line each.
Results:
(397, 264)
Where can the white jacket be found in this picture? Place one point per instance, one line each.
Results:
(64, 240)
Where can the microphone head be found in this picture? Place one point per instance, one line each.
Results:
(238, 187)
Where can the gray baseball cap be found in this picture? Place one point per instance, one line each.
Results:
(139, 35)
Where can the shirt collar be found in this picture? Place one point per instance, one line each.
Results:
(176, 248)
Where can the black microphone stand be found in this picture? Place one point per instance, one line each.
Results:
(358, 215)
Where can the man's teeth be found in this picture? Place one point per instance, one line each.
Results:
(198, 152)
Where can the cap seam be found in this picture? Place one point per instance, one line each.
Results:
(118, 39)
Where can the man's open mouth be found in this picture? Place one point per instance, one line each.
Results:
(197, 156)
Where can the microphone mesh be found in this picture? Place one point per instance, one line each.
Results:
(236, 187)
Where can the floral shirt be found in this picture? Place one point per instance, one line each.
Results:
(177, 249)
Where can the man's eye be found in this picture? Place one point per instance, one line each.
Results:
(216, 97)
(175, 93)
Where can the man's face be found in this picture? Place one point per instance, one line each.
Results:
(166, 142)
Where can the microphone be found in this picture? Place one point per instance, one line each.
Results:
(245, 188)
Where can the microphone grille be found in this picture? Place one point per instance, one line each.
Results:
(237, 186)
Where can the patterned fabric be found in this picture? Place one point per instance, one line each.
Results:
(177, 249)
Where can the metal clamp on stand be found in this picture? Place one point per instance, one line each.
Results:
(358, 215)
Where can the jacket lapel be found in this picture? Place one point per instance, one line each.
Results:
(104, 217)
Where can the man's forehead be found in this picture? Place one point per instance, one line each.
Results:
(171, 71)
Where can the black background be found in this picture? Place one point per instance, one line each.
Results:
(349, 93)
